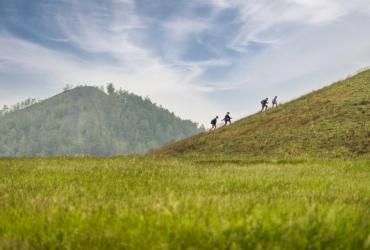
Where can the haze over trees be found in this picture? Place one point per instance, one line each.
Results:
(87, 121)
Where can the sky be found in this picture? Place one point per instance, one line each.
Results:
(198, 58)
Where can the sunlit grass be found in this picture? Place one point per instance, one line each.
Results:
(333, 122)
(144, 203)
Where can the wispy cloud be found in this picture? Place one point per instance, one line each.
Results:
(195, 57)
(267, 21)
(156, 79)
(181, 29)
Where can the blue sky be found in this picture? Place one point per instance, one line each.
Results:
(198, 58)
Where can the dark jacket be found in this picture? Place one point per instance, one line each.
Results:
(227, 118)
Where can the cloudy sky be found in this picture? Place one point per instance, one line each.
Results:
(198, 58)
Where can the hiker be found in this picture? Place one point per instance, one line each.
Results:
(227, 118)
(274, 102)
(214, 123)
(264, 103)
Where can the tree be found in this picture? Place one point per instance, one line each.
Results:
(110, 89)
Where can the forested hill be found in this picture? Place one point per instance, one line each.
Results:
(331, 122)
(87, 121)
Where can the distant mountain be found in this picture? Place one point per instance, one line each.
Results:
(87, 121)
(331, 122)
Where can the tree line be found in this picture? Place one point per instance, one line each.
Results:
(87, 121)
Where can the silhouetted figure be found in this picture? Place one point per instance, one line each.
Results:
(214, 123)
(265, 103)
(274, 102)
(227, 119)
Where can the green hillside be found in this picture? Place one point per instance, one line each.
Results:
(331, 122)
(87, 121)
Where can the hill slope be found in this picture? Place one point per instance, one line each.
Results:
(332, 122)
(86, 121)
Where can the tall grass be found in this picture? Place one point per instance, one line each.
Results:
(144, 203)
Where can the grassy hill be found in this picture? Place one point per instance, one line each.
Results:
(331, 122)
(87, 121)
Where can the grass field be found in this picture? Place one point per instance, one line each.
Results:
(145, 203)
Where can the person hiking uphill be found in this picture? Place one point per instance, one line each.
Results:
(214, 123)
(274, 102)
(264, 103)
(227, 118)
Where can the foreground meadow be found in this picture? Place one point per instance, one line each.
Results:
(143, 203)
